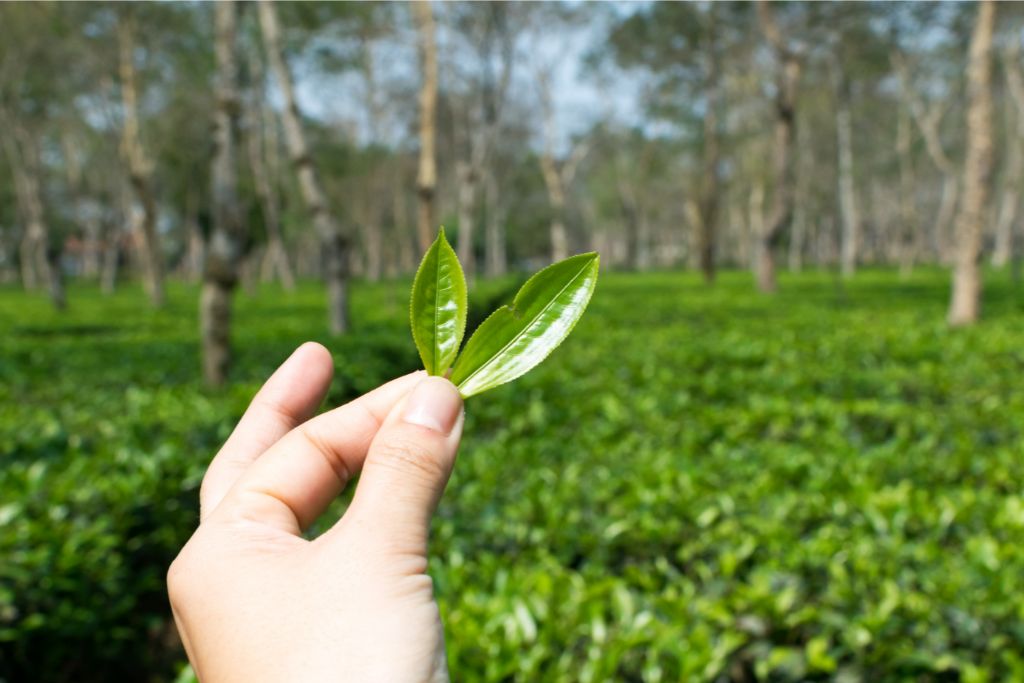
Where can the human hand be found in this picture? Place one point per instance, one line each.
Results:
(254, 601)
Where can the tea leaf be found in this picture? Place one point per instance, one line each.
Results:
(437, 311)
(516, 338)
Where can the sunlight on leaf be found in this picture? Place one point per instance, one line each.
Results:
(437, 311)
(516, 338)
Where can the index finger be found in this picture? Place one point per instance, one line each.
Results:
(286, 400)
(297, 478)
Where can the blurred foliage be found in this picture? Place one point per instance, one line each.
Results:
(699, 485)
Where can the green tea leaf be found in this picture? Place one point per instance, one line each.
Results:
(438, 307)
(515, 339)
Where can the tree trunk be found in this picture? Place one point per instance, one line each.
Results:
(928, 122)
(91, 251)
(262, 144)
(55, 282)
(226, 241)
(941, 236)
(909, 230)
(334, 244)
(376, 200)
(111, 254)
(249, 270)
(195, 245)
(27, 259)
(374, 244)
(139, 167)
(885, 242)
(766, 280)
(1009, 205)
(558, 235)
(90, 222)
(849, 209)
(711, 180)
(737, 234)
(798, 236)
(966, 296)
(465, 178)
(406, 252)
(426, 179)
(637, 249)
(40, 263)
(755, 225)
(477, 130)
(371, 207)
(8, 273)
(277, 265)
(557, 177)
(787, 79)
(497, 259)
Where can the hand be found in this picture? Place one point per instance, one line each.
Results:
(254, 601)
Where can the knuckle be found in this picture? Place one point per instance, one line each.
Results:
(178, 580)
(210, 493)
(205, 487)
(188, 574)
(331, 456)
(408, 455)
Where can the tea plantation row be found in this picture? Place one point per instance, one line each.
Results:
(701, 485)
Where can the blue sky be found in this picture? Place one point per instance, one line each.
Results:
(580, 98)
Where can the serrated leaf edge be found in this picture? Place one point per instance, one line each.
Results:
(439, 243)
(512, 309)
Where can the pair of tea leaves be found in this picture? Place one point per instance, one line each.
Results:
(512, 340)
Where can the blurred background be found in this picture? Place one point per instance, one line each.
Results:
(785, 442)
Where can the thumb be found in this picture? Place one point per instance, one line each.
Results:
(408, 465)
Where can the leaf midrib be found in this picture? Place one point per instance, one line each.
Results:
(437, 299)
(511, 310)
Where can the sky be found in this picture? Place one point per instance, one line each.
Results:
(580, 97)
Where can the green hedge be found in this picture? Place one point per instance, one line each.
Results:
(699, 485)
(104, 437)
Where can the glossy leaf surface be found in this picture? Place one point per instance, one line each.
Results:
(516, 338)
(437, 311)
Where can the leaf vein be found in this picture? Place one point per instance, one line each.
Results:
(513, 310)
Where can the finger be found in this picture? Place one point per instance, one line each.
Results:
(289, 398)
(297, 478)
(408, 466)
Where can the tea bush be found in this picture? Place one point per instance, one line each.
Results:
(698, 485)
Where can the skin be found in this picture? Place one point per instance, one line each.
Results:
(254, 601)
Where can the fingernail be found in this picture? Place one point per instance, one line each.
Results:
(435, 404)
